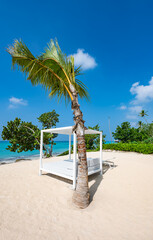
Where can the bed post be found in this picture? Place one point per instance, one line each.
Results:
(41, 152)
(70, 147)
(74, 161)
(101, 160)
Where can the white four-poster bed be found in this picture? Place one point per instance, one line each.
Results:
(68, 168)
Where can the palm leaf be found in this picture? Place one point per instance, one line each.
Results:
(52, 69)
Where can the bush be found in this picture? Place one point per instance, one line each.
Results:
(65, 153)
(130, 147)
(149, 140)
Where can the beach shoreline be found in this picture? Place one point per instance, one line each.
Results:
(36, 157)
(7, 156)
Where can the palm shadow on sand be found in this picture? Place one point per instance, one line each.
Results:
(98, 178)
(107, 164)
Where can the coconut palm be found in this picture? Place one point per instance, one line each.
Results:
(140, 124)
(57, 74)
(142, 114)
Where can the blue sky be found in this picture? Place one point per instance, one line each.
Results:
(113, 40)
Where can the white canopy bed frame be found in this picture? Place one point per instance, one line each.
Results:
(68, 168)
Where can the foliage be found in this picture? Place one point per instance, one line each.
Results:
(131, 147)
(65, 153)
(145, 148)
(24, 136)
(149, 140)
(143, 113)
(140, 125)
(148, 128)
(93, 140)
(49, 119)
(126, 133)
(52, 69)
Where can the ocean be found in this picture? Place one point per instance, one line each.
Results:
(7, 156)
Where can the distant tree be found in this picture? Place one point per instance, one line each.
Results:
(151, 129)
(148, 129)
(126, 133)
(24, 136)
(93, 140)
(149, 140)
(123, 132)
(140, 124)
(48, 121)
(142, 114)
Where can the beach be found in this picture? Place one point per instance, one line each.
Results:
(40, 207)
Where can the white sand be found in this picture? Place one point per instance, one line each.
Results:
(34, 207)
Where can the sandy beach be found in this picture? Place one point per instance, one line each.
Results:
(40, 207)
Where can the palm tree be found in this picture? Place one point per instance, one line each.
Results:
(139, 124)
(57, 74)
(142, 114)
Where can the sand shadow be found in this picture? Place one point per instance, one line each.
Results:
(98, 177)
(107, 164)
(59, 178)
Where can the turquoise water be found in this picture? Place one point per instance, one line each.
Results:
(8, 156)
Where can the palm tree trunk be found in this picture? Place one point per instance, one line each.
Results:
(81, 195)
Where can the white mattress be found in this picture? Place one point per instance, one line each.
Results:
(64, 168)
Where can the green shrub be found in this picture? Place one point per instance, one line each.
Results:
(149, 140)
(130, 147)
(65, 153)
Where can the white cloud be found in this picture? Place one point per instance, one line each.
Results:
(84, 59)
(133, 112)
(123, 107)
(131, 116)
(142, 93)
(16, 102)
(135, 109)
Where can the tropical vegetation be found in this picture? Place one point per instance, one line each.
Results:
(136, 139)
(25, 136)
(93, 140)
(144, 148)
(143, 133)
(125, 133)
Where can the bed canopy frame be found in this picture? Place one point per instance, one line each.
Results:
(68, 168)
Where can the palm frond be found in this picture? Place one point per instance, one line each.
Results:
(52, 69)
(78, 71)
